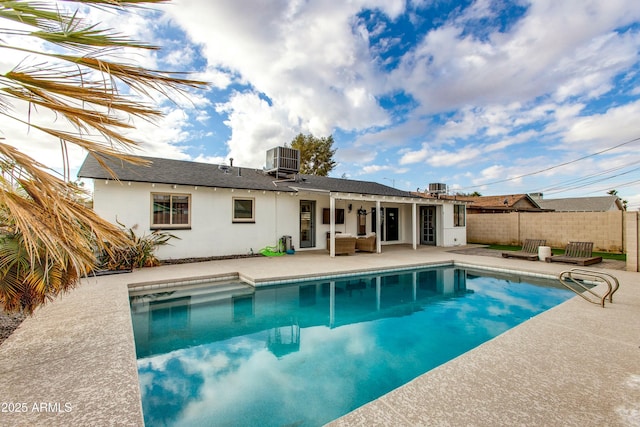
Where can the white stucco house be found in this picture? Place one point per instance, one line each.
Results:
(219, 210)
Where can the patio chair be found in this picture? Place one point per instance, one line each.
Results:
(366, 243)
(345, 244)
(529, 250)
(580, 253)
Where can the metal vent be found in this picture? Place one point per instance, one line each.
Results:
(283, 160)
(437, 188)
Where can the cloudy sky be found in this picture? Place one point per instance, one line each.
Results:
(498, 97)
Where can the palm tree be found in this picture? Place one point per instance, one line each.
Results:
(49, 238)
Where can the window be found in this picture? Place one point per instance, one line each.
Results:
(459, 215)
(326, 216)
(170, 210)
(243, 210)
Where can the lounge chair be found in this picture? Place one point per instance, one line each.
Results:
(366, 243)
(580, 253)
(529, 250)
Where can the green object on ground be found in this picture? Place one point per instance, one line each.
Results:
(271, 251)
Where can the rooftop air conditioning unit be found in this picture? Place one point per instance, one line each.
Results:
(283, 160)
(437, 188)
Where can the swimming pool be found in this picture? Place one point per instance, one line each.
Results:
(307, 353)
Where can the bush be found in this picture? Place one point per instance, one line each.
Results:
(140, 252)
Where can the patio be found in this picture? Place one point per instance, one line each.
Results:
(73, 363)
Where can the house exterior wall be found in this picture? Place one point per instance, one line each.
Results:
(213, 233)
(604, 229)
(451, 235)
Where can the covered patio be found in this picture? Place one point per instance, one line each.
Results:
(415, 231)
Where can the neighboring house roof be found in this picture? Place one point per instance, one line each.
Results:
(511, 202)
(180, 172)
(583, 204)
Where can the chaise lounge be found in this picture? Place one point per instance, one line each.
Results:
(580, 253)
(529, 250)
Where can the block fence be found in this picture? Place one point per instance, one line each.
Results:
(609, 231)
(632, 233)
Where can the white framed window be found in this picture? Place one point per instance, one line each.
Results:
(169, 210)
(459, 215)
(243, 209)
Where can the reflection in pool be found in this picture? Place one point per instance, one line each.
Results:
(307, 353)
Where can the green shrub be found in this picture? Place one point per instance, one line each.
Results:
(139, 253)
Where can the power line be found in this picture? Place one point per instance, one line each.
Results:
(590, 182)
(574, 181)
(553, 167)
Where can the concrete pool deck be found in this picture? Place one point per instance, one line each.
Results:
(73, 363)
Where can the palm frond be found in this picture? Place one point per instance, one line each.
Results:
(66, 29)
(48, 237)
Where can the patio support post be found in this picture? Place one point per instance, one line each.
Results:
(378, 222)
(414, 225)
(332, 226)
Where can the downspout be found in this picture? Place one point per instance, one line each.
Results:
(332, 226)
(275, 219)
(378, 222)
(414, 226)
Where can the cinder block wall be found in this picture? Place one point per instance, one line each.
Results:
(493, 229)
(632, 234)
(604, 229)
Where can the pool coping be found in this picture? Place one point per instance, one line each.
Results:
(79, 350)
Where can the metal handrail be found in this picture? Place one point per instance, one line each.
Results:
(567, 275)
(616, 283)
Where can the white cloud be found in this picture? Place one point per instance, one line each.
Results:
(451, 69)
(256, 127)
(305, 57)
(376, 168)
(616, 125)
(440, 158)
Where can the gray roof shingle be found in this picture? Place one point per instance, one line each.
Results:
(180, 172)
(582, 204)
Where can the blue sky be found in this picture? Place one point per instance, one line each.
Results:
(484, 96)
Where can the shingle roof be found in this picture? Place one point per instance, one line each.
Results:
(505, 201)
(582, 204)
(180, 172)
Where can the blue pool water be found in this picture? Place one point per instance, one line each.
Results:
(308, 353)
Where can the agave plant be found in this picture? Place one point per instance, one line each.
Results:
(140, 252)
(49, 237)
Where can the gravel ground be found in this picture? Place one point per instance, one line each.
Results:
(9, 323)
